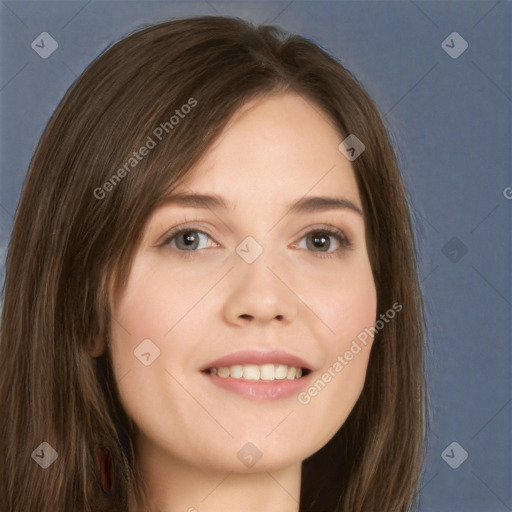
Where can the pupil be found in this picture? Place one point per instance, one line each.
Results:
(322, 240)
(189, 238)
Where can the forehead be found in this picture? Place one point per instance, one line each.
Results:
(274, 148)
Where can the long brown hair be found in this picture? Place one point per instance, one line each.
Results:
(80, 219)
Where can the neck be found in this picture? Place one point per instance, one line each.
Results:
(177, 486)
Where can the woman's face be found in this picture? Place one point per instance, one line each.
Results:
(255, 288)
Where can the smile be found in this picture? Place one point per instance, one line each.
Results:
(260, 374)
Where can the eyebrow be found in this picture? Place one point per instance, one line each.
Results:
(303, 205)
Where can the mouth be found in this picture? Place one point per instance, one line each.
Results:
(261, 375)
(255, 372)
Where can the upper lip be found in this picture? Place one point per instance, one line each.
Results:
(259, 357)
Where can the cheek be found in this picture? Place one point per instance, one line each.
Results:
(353, 317)
(153, 303)
(142, 324)
(345, 300)
(152, 315)
(348, 307)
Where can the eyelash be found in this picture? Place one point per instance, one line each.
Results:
(345, 243)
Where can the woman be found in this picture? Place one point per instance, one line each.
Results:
(211, 299)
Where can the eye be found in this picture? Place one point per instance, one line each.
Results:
(187, 240)
(318, 239)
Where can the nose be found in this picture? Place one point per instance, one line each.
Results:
(260, 292)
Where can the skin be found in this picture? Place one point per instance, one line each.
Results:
(274, 151)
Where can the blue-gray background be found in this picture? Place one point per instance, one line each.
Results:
(450, 119)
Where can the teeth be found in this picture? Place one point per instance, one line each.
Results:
(258, 372)
(249, 371)
(235, 371)
(281, 371)
(223, 372)
(267, 372)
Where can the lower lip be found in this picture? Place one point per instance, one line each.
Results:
(261, 389)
